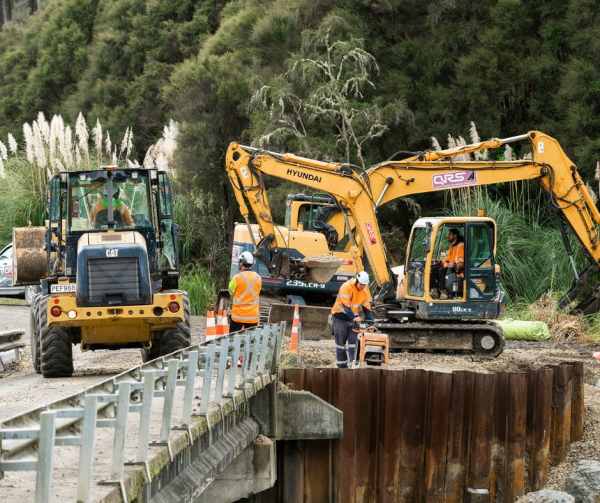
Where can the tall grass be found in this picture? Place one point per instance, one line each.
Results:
(47, 148)
(530, 250)
(21, 206)
(203, 239)
(200, 286)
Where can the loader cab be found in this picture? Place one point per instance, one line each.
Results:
(475, 283)
(80, 204)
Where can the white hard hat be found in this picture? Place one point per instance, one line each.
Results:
(247, 258)
(363, 278)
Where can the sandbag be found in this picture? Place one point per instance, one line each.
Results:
(519, 330)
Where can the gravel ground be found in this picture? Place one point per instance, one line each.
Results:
(518, 355)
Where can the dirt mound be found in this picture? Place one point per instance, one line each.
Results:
(322, 267)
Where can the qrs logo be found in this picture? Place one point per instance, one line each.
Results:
(454, 179)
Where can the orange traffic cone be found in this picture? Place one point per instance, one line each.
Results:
(220, 323)
(225, 325)
(211, 327)
(294, 339)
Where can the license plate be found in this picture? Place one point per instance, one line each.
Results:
(70, 287)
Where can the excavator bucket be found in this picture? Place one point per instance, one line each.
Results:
(314, 320)
(321, 268)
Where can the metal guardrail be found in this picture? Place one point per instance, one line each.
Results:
(225, 365)
(11, 340)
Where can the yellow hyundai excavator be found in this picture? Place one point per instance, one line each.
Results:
(408, 313)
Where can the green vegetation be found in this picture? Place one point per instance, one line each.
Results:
(200, 288)
(530, 250)
(20, 205)
(340, 80)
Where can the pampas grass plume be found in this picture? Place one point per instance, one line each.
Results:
(12, 144)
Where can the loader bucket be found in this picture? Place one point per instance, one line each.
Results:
(321, 268)
(315, 320)
(29, 256)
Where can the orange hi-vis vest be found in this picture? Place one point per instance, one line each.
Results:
(245, 298)
(456, 254)
(351, 297)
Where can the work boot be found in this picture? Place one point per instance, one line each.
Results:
(434, 293)
(443, 295)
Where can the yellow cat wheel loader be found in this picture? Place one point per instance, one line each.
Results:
(108, 266)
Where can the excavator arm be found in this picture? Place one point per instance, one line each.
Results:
(246, 167)
(557, 174)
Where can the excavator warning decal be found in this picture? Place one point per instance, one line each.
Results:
(454, 179)
(371, 232)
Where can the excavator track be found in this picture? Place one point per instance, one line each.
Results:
(484, 339)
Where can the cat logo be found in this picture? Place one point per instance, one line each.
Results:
(112, 253)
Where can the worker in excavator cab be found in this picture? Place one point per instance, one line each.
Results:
(353, 295)
(454, 261)
(121, 213)
(245, 288)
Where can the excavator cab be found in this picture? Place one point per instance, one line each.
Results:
(471, 287)
(459, 320)
(320, 213)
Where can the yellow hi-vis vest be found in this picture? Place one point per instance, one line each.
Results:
(245, 298)
(351, 296)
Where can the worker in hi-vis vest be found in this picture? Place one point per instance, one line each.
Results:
(353, 295)
(245, 288)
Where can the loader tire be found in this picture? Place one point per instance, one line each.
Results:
(34, 332)
(172, 339)
(56, 349)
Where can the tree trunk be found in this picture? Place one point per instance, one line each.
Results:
(6, 10)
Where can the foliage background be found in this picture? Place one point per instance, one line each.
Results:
(237, 71)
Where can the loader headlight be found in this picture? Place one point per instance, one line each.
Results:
(72, 314)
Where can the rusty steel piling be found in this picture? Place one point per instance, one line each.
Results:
(389, 443)
(412, 445)
(514, 482)
(459, 430)
(539, 420)
(436, 441)
(562, 391)
(425, 436)
(577, 411)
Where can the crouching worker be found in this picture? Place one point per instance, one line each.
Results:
(353, 295)
(245, 288)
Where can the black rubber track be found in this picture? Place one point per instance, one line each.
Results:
(56, 349)
(173, 339)
(422, 329)
(34, 332)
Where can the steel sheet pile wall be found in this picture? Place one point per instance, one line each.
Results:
(418, 435)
